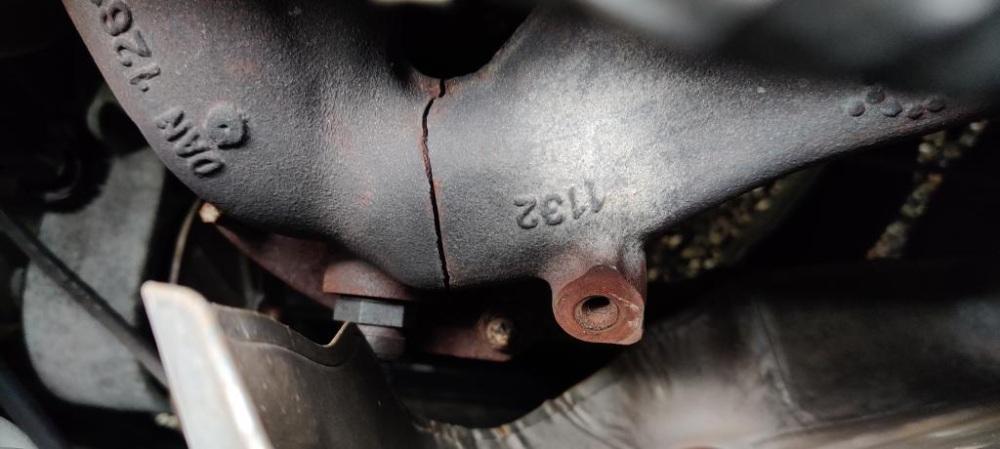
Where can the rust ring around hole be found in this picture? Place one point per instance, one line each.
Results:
(600, 306)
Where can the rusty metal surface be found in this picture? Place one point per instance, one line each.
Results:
(298, 263)
(452, 326)
(579, 141)
(568, 151)
(311, 267)
(285, 115)
(463, 340)
(601, 307)
(351, 276)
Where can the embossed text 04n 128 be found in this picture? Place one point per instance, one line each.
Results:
(224, 127)
(555, 208)
(127, 42)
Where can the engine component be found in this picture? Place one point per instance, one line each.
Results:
(439, 188)
(557, 160)
(379, 321)
(89, 364)
(743, 371)
(329, 149)
(931, 44)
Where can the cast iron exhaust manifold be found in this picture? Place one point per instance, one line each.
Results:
(557, 160)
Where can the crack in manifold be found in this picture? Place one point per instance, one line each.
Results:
(425, 154)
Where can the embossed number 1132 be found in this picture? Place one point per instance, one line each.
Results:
(554, 209)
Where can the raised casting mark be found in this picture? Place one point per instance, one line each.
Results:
(127, 42)
(224, 127)
(553, 209)
(875, 98)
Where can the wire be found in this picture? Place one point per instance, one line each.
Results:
(84, 295)
(180, 245)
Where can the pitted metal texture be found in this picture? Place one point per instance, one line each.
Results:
(572, 147)
(285, 115)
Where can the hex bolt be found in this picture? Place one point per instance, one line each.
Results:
(499, 331)
(369, 311)
(209, 213)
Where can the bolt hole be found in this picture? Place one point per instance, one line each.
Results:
(595, 304)
(596, 313)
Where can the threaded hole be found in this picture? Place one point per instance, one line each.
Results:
(596, 313)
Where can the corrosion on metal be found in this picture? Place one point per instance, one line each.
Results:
(296, 262)
(534, 160)
(498, 330)
(600, 307)
(355, 277)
